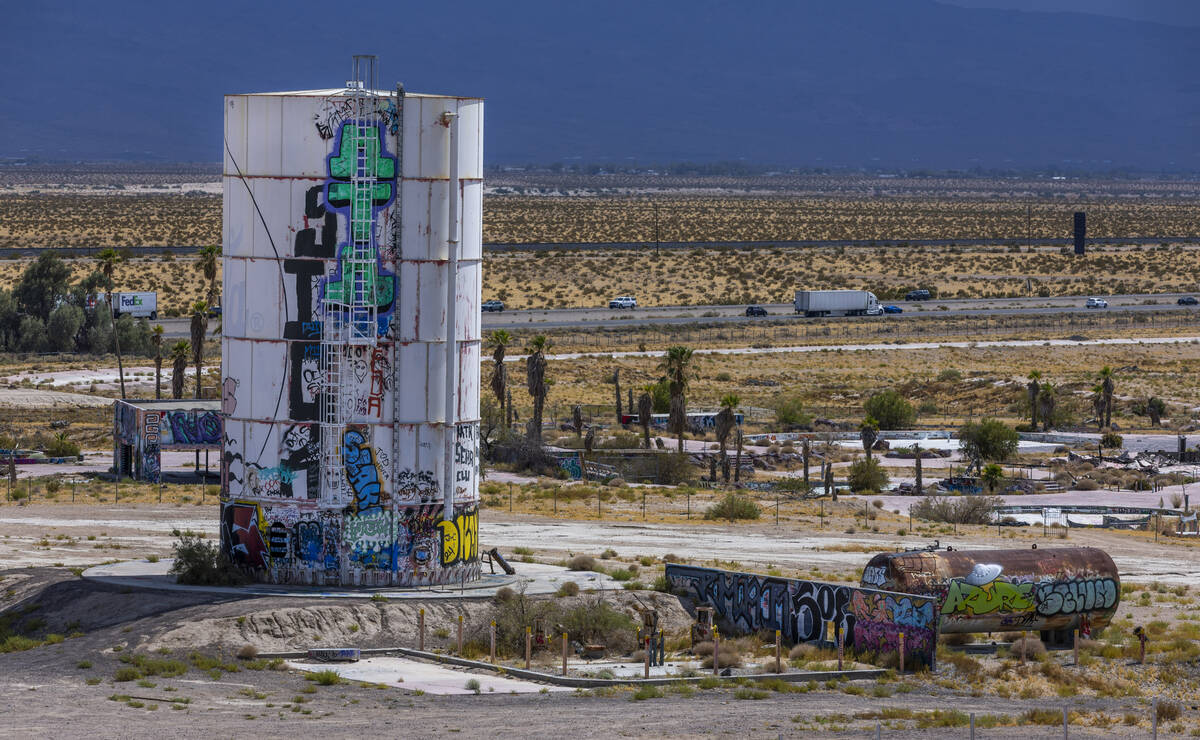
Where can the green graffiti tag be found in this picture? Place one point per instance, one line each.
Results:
(360, 150)
(995, 596)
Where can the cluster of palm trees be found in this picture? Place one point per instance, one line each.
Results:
(1043, 400)
(678, 372)
(208, 261)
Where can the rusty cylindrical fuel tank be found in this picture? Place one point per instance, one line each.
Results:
(1052, 590)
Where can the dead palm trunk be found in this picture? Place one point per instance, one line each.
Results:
(737, 469)
(645, 410)
(117, 344)
(617, 393)
(918, 464)
(806, 450)
(1032, 389)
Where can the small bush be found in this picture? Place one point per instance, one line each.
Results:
(473, 685)
(200, 562)
(582, 562)
(733, 506)
(1167, 711)
(647, 692)
(867, 475)
(1032, 646)
(127, 673)
(568, 588)
(957, 509)
(247, 652)
(324, 678)
(729, 658)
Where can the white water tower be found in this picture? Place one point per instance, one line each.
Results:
(352, 240)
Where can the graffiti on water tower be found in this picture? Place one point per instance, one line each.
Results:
(349, 494)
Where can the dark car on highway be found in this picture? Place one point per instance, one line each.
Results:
(917, 295)
(492, 306)
(893, 309)
(1187, 300)
(756, 311)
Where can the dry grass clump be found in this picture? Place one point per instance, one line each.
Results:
(582, 562)
(1030, 647)
(729, 658)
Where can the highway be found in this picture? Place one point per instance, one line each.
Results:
(601, 317)
(571, 318)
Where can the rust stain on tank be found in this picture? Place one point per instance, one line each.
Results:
(998, 590)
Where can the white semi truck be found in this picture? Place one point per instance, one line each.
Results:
(813, 303)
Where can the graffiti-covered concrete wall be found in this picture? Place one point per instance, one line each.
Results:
(143, 429)
(871, 620)
(339, 463)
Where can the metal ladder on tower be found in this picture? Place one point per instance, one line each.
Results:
(349, 317)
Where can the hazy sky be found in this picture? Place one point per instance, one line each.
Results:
(1171, 12)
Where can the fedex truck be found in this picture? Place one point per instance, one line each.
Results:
(812, 303)
(139, 305)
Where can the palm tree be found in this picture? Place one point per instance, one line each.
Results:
(209, 260)
(868, 431)
(1098, 404)
(991, 476)
(1046, 404)
(577, 420)
(199, 330)
(725, 423)
(645, 411)
(1032, 389)
(499, 382)
(676, 365)
(109, 259)
(535, 382)
(1106, 385)
(156, 338)
(179, 359)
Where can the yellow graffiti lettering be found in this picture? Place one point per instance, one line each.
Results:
(460, 538)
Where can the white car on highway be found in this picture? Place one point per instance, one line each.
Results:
(1097, 303)
(623, 301)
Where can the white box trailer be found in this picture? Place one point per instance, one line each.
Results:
(142, 304)
(811, 303)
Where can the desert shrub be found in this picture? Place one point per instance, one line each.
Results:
(733, 506)
(729, 658)
(504, 593)
(789, 411)
(595, 620)
(247, 652)
(1167, 711)
(668, 468)
(957, 509)
(1032, 646)
(523, 454)
(582, 562)
(60, 446)
(324, 678)
(200, 562)
(890, 410)
(568, 588)
(1111, 440)
(949, 375)
(987, 440)
(867, 475)
(957, 638)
